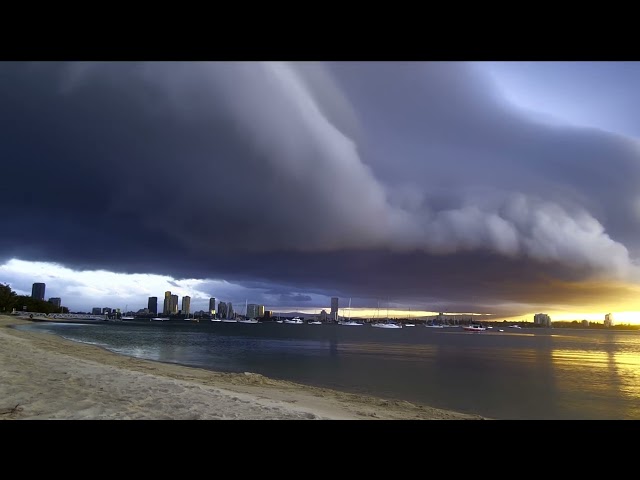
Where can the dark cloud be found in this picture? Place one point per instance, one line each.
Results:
(413, 181)
(294, 298)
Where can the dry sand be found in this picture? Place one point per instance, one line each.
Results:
(44, 376)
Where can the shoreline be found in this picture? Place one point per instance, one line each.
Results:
(45, 376)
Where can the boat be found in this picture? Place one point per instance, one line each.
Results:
(515, 326)
(409, 324)
(247, 320)
(192, 318)
(127, 317)
(349, 322)
(433, 325)
(159, 319)
(229, 320)
(474, 328)
(315, 322)
(386, 325)
(295, 320)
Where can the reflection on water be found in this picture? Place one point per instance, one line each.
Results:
(531, 374)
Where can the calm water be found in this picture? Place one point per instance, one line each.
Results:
(515, 374)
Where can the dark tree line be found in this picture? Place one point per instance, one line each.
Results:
(10, 300)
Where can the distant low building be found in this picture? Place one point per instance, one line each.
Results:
(585, 323)
(608, 320)
(56, 301)
(542, 319)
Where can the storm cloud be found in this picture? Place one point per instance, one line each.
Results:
(416, 181)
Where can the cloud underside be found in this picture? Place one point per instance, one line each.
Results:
(400, 180)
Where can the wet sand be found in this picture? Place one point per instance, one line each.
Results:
(44, 376)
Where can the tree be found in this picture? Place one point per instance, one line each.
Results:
(7, 298)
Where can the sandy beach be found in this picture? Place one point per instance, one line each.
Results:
(43, 376)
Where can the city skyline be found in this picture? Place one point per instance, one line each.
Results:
(503, 188)
(385, 311)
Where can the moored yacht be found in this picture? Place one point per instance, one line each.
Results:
(295, 320)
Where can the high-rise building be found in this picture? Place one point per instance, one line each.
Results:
(96, 311)
(106, 311)
(255, 311)
(186, 305)
(230, 312)
(37, 291)
(222, 310)
(56, 301)
(334, 308)
(153, 305)
(173, 304)
(166, 310)
(212, 306)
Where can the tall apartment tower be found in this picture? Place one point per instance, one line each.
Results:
(252, 310)
(166, 310)
(212, 306)
(222, 309)
(153, 305)
(37, 291)
(174, 304)
(334, 308)
(186, 305)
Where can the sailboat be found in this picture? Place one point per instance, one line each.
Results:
(126, 317)
(386, 324)
(247, 320)
(409, 324)
(350, 322)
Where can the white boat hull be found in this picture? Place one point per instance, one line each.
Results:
(474, 329)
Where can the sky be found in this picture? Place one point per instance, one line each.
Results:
(502, 188)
